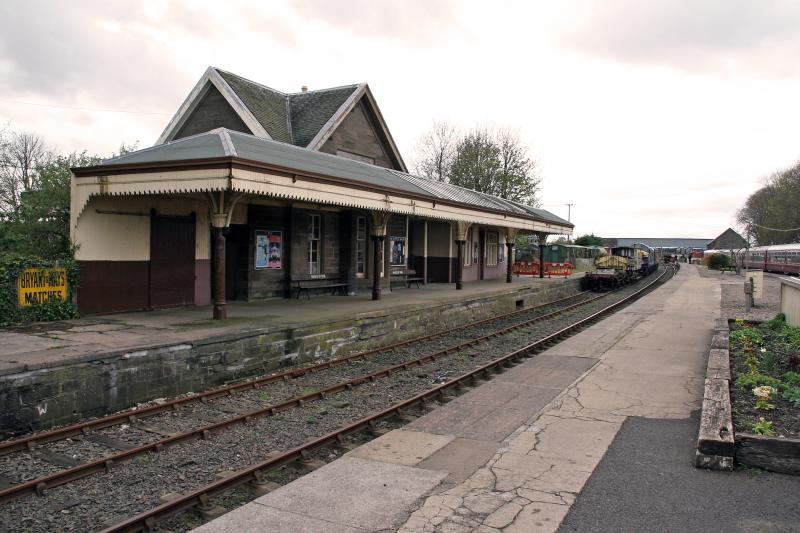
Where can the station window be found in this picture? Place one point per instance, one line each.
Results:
(468, 248)
(313, 244)
(491, 249)
(361, 245)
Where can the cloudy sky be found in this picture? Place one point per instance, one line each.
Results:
(654, 118)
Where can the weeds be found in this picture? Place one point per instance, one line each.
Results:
(763, 427)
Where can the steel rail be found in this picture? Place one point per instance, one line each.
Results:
(28, 442)
(200, 497)
(41, 484)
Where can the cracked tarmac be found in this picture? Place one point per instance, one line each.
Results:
(514, 454)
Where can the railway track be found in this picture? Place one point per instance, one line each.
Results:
(237, 431)
(95, 446)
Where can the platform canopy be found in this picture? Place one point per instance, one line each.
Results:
(227, 160)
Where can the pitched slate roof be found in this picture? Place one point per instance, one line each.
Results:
(294, 118)
(267, 105)
(223, 142)
(310, 111)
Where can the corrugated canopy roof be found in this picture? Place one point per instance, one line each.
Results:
(228, 143)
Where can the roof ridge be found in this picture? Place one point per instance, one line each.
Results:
(248, 80)
(288, 93)
(353, 85)
(168, 143)
(227, 142)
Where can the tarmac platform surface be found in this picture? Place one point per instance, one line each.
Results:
(56, 343)
(515, 454)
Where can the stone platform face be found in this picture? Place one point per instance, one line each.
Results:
(60, 372)
(513, 455)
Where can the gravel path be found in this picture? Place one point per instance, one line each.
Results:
(129, 488)
(732, 301)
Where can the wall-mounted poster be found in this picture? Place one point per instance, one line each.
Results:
(269, 249)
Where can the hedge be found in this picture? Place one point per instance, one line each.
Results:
(11, 265)
(717, 261)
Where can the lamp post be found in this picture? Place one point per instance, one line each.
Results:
(569, 215)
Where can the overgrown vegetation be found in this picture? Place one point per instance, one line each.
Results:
(590, 239)
(11, 265)
(34, 220)
(765, 365)
(717, 261)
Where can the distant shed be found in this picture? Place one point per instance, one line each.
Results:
(727, 240)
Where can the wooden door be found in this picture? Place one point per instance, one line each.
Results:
(172, 244)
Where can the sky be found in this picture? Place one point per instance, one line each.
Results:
(655, 119)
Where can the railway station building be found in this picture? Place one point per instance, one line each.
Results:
(251, 193)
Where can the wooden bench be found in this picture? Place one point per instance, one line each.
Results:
(408, 277)
(308, 284)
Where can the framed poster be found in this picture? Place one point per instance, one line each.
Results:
(269, 249)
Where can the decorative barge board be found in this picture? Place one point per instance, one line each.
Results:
(718, 442)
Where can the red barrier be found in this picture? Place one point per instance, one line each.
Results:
(531, 268)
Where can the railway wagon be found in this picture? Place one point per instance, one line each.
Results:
(638, 257)
(625, 265)
(779, 258)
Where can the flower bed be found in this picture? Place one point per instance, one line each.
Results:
(765, 378)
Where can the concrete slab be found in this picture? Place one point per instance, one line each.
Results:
(402, 447)
(506, 390)
(354, 492)
(549, 371)
(244, 519)
(595, 341)
(460, 458)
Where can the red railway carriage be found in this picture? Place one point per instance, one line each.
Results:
(780, 258)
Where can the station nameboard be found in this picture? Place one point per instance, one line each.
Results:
(38, 285)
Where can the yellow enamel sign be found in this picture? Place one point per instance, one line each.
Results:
(38, 285)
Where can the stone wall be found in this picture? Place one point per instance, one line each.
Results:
(100, 384)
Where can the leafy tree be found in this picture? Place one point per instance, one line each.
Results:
(589, 239)
(41, 226)
(519, 176)
(497, 163)
(772, 210)
(477, 162)
(35, 195)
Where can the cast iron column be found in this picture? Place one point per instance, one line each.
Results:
(541, 260)
(509, 258)
(220, 312)
(377, 266)
(460, 265)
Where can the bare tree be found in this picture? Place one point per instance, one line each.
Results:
(436, 151)
(20, 156)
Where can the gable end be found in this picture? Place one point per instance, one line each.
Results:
(359, 137)
(211, 112)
